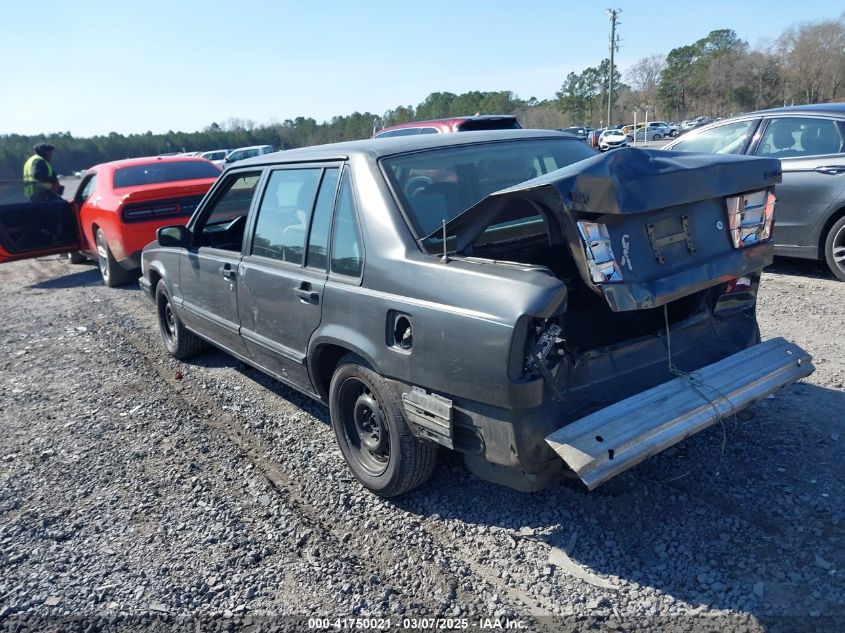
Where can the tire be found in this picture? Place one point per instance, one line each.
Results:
(370, 427)
(834, 249)
(76, 257)
(656, 137)
(179, 341)
(113, 275)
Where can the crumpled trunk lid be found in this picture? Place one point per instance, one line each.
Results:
(660, 219)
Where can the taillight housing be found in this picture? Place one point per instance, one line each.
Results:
(599, 253)
(751, 217)
(140, 212)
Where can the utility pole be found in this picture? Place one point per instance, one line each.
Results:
(613, 14)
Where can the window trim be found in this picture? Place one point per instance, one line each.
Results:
(333, 276)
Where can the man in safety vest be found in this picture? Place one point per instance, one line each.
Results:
(40, 182)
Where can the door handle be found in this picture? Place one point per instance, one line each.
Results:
(831, 170)
(227, 272)
(305, 294)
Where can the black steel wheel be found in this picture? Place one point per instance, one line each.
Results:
(179, 341)
(113, 275)
(834, 249)
(376, 442)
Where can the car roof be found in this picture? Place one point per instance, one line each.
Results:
(815, 108)
(447, 122)
(380, 147)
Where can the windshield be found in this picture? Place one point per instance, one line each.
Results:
(159, 172)
(437, 185)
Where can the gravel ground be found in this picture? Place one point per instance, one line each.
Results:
(137, 491)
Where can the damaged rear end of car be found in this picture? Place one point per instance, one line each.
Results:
(655, 336)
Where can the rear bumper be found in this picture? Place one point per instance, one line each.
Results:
(608, 442)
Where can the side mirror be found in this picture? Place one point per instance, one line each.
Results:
(173, 236)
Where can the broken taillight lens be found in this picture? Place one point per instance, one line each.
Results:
(597, 248)
(739, 284)
(751, 217)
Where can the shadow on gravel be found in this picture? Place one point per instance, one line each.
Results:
(88, 276)
(800, 268)
(757, 529)
(217, 359)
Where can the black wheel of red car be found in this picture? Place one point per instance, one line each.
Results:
(834, 249)
(76, 257)
(179, 341)
(113, 275)
(376, 442)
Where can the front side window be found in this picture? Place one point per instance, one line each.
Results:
(347, 252)
(729, 138)
(438, 185)
(285, 213)
(87, 189)
(225, 219)
(805, 136)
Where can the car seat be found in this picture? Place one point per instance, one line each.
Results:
(783, 141)
(820, 139)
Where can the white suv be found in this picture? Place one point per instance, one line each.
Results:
(248, 152)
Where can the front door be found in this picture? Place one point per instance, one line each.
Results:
(32, 229)
(813, 165)
(208, 271)
(283, 272)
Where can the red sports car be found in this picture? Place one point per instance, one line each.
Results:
(115, 212)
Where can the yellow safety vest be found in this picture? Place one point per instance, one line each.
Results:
(30, 184)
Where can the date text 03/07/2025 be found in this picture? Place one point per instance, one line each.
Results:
(417, 624)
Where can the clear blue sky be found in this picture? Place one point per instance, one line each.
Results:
(93, 67)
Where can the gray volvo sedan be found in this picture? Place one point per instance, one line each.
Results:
(511, 295)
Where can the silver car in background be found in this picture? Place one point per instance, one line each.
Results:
(809, 140)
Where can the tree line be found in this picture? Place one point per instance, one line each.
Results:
(718, 75)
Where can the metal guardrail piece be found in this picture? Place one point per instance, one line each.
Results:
(605, 443)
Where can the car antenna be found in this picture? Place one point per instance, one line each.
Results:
(445, 258)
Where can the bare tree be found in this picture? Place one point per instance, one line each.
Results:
(813, 57)
(644, 77)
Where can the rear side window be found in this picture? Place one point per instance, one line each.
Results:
(285, 213)
(162, 171)
(318, 239)
(806, 136)
(347, 253)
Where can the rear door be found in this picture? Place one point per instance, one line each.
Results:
(32, 229)
(208, 271)
(283, 272)
(811, 150)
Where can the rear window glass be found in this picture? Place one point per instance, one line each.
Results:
(155, 173)
(506, 123)
(437, 185)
